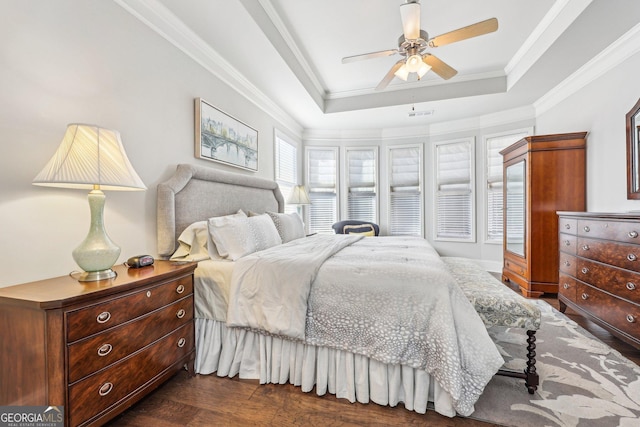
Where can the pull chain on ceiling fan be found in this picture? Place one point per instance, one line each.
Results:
(413, 43)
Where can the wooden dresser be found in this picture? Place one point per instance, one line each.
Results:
(96, 347)
(542, 174)
(600, 270)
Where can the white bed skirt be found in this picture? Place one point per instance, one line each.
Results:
(231, 351)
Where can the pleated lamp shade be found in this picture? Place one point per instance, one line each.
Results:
(299, 196)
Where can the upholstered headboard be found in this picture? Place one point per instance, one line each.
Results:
(196, 193)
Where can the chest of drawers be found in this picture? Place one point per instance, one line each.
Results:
(599, 273)
(96, 348)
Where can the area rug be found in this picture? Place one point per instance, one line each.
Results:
(583, 382)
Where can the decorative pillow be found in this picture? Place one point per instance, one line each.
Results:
(364, 229)
(214, 252)
(289, 226)
(193, 243)
(263, 231)
(232, 237)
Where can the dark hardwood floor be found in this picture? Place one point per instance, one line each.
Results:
(208, 400)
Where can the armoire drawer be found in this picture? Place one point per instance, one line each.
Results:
(93, 319)
(518, 268)
(99, 351)
(98, 392)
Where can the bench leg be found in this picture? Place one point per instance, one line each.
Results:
(530, 376)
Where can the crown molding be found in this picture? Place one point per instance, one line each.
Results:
(615, 54)
(160, 19)
(500, 118)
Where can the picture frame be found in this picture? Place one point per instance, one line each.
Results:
(222, 138)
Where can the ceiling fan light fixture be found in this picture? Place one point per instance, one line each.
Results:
(413, 63)
(402, 72)
(424, 69)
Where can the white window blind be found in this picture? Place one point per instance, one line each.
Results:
(322, 180)
(454, 191)
(361, 182)
(286, 169)
(494, 185)
(405, 191)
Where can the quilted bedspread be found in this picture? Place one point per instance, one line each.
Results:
(388, 298)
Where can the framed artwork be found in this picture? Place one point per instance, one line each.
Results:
(225, 139)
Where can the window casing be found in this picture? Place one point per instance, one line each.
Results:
(454, 192)
(405, 190)
(286, 168)
(362, 174)
(322, 181)
(494, 187)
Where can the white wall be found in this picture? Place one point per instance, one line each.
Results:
(600, 108)
(92, 62)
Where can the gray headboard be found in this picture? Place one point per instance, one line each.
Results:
(196, 193)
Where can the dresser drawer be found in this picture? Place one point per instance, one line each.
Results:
(567, 264)
(567, 287)
(619, 254)
(591, 299)
(515, 267)
(94, 353)
(568, 243)
(90, 320)
(611, 230)
(105, 388)
(568, 225)
(623, 283)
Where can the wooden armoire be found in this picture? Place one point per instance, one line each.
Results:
(542, 175)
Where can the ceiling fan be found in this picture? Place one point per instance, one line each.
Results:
(413, 42)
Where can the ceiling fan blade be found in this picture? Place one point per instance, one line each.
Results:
(439, 67)
(390, 75)
(370, 55)
(410, 14)
(474, 30)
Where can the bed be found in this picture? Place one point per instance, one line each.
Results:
(379, 319)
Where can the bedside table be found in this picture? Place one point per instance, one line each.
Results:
(96, 347)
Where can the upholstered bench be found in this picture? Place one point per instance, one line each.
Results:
(498, 305)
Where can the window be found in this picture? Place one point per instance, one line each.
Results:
(405, 190)
(454, 216)
(322, 180)
(362, 198)
(494, 183)
(286, 168)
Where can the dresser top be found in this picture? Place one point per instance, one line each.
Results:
(633, 215)
(65, 290)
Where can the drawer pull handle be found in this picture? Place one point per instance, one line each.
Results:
(632, 257)
(631, 319)
(104, 350)
(181, 342)
(567, 226)
(631, 286)
(585, 247)
(633, 234)
(148, 294)
(103, 317)
(180, 314)
(566, 286)
(567, 243)
(585, 270)
(180, 289)
(586, 228)
(584, 296)
(567, 263)
(105, 389)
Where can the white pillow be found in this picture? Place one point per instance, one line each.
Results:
(214, 251)
(232, 237)
(289, 226)
(263, 231)
(193, 243)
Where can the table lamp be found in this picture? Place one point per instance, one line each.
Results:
(93, 158)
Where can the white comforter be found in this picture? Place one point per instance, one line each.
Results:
(391, 299)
